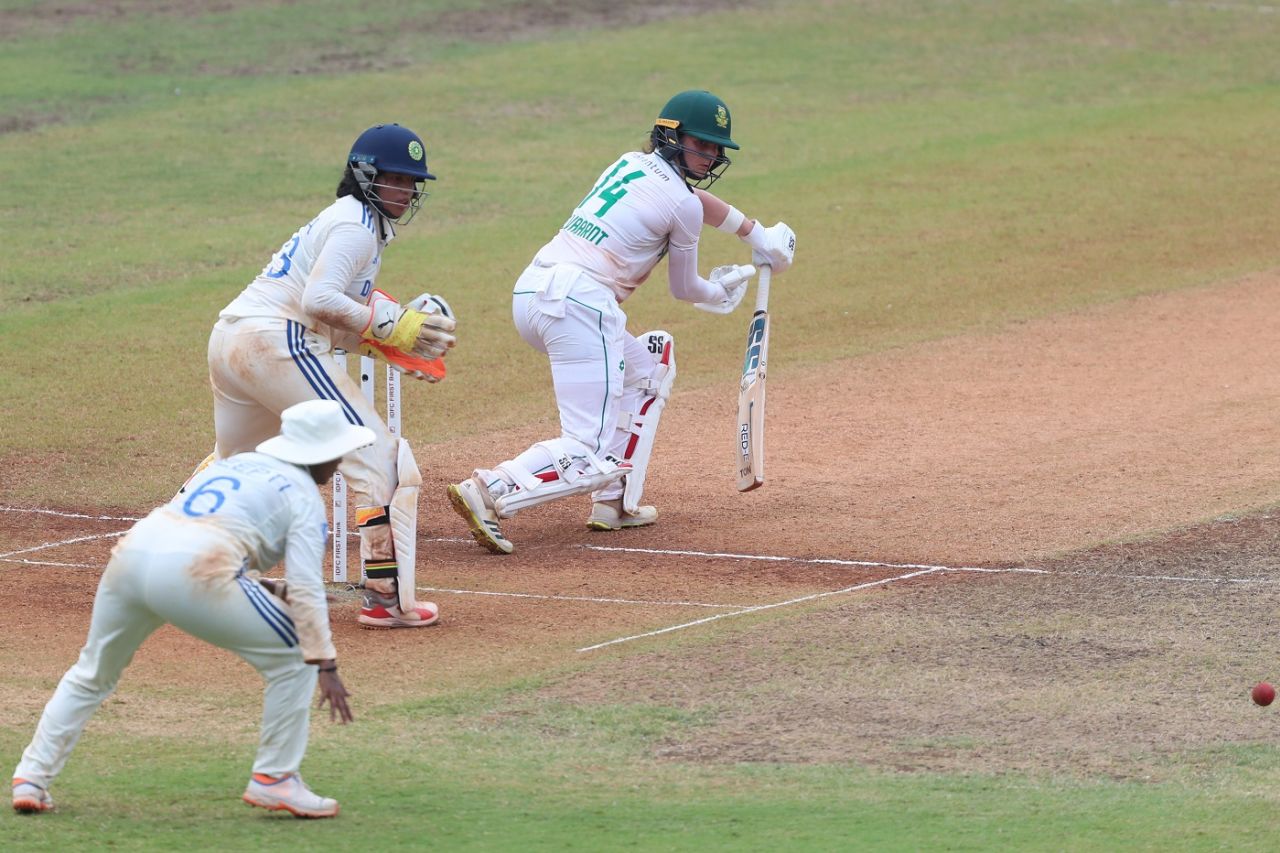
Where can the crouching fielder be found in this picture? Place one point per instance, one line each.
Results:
(273, 346)
(195, 563)
(611, 386)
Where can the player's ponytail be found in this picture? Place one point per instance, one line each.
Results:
(349, 185)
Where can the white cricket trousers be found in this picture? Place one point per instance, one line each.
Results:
(576, 321)
(150, 580)
(260, 366)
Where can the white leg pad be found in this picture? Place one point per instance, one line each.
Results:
(403, 511)
(576, 470)
(643, 423)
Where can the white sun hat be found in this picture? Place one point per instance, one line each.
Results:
(315, 431)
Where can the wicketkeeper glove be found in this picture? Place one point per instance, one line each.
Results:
(437, 310)
(406, 329)
(413, 339)
(734, 279)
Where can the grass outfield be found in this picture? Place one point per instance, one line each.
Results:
(948, 167)
(470, 796)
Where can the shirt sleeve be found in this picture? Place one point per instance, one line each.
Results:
(682, 257)
(304, 570)
(347, 249)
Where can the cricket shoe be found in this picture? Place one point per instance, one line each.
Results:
(287, 794)
(609, 515)
(471, 500)
(30, 798)
(379, 610)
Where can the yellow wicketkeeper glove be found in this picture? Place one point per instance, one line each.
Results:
(426, 334)
(411, 340)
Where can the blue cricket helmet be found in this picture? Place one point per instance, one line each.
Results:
(391, 148)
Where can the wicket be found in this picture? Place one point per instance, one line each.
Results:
(368, 369)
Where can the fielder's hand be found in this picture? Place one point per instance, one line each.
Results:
(734, 279)
(775, 246)
(333, 692)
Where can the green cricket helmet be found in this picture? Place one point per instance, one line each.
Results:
(699, 114)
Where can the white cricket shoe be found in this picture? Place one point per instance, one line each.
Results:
(380, 610)
(289, 794)
(609, 515)
(30, 798)
(472, 500)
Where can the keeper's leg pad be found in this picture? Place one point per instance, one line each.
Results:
(404, 525)
(642, 402)
(388, 535)
(575, 470)
(377, 552)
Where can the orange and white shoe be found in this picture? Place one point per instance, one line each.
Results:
(288, 794)
(383, 611)
(30, 798)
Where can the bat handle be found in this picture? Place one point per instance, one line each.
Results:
(762, 288)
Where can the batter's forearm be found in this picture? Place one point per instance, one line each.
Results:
(686, 285)
(721, 215)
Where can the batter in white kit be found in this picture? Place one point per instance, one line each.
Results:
(611, 386)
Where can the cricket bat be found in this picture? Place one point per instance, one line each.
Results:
(751, 391)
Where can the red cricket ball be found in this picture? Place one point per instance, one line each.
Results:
(1263, 693)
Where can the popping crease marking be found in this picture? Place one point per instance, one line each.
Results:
(577, 598)
(62, 514)
(922, 570)
(774, 559)
(63, 542)
(26, 562)
(1174, 578)
(760, 607)
(1022, 570)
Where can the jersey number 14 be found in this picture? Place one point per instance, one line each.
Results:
(610, 193)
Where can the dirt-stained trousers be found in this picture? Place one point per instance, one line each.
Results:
(260, 366)
(148, 582)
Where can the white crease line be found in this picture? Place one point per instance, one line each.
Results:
(62, 514)
(27, 562)
(871, 564)
(576, 598)
(355, 534)
(758, 608)
(1176, 578)
(63, 542)
(774, 559)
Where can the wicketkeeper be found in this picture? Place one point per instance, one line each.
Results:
(273, 346)
(611, 386)
(196, 563)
